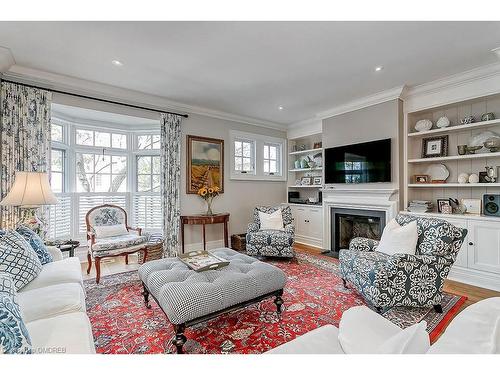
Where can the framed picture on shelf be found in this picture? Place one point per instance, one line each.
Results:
(421, 178)
(306, 180)
(435, 146)
(472, 206)
(205, 163)
(441, 203)
(318, 180)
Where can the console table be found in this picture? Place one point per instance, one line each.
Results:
(203, 220)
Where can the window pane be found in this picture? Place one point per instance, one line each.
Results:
(247, 165)
(246, 149)
(56, 160)
(84, 163)
(156, 183)
(118, 183)
(119, 164)
(102, 183)
(238, 164)
(272, 167)
(143, 142)
(102, 139)
(273, 152)
(143, 165)
(56, 133)
(156, 165)
(119, 141)
(237, 148)
(84, 137)
(102, 164)
(144, 183)
(266, 166)
(156, 142)
(56, 182)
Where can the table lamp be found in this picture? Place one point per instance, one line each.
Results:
(30, 191)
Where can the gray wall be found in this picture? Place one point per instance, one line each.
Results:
(367, 124)
(240, 197)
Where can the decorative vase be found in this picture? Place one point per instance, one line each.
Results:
(209, 206)
(443, 122)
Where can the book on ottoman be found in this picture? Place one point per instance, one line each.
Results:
(202, 261)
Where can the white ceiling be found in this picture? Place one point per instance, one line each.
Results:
(251, 68)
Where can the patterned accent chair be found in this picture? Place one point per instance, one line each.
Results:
(272, 243)
(402, 279)
(115, 239)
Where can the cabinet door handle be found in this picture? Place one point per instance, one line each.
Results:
(471, 243)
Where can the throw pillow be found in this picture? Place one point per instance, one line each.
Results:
(18, 259)
(272, 221)
(14, 337)
(36, 244)
(411, 340)
(398, 239)
(104, 231)
(2, 232)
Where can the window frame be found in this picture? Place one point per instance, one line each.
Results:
(259, 141)
(253, 163)
(279, 152)
(63, 167)
(151, 174)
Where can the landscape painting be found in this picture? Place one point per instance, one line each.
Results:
(205, 164)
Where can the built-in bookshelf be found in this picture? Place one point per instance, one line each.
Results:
(458, 134)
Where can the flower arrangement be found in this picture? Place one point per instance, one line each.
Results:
(208, 194)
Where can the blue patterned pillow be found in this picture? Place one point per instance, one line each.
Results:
(18, 259)
(14, 337)
(36, 243)
(2, 232)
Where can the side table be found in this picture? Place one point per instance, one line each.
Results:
(65, 245)
(203, 220)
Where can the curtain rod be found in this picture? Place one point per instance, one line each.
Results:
(92, 98)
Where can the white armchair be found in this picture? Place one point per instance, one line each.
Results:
(109, 235)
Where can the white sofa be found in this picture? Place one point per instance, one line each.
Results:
(475, 330)
(53, 308)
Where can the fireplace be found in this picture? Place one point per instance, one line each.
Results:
(348, 223)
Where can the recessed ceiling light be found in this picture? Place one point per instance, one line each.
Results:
(117, 63)
(379, 68)
(281, 108)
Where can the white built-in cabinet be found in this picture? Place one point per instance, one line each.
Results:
(478, 261)
(308, 221)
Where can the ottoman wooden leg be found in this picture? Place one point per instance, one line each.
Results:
(279, 301)
(145, 293)
(179, 339)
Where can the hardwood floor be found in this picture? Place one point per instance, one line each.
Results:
(473, 293)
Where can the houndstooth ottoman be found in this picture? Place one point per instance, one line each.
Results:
(188, 297)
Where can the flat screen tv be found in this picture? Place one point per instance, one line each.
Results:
(359, 163)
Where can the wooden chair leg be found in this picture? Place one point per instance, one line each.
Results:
(98, 270)
(126, 259)
(89, 263)
(144, 255)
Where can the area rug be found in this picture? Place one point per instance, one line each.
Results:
(314, 296)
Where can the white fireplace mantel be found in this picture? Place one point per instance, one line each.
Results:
(377, 199)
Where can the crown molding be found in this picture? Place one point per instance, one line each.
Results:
(108, 92)
(367, 101)
(6, 59)
(471, 84)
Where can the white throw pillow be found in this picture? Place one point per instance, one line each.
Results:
(272, 221)
(397, 239)
(104, 231)
(411, 340)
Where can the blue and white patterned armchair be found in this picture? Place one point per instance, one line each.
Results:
(272, 243)
(119, 241)
(402, 279)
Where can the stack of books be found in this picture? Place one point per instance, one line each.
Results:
(420, 206)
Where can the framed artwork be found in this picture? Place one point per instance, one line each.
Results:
(306, 180)
(205, 163)
(472, 206)
(421, 179)
(435, 146)
(318, 180)
(441, 203)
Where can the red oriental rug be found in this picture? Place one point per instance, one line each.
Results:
(314, 296)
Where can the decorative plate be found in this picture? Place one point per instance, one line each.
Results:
(438, 172)
(443, 122)
(423, 125)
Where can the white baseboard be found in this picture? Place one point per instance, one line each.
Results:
(474, 277)
(311, 241)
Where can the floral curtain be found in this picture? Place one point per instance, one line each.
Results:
(170, 181)
(24, 139)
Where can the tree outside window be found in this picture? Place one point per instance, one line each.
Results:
(101, 173)
(148, 174)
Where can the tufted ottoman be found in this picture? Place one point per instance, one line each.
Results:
(188, 297)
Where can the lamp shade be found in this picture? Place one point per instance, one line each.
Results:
(30, 189)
